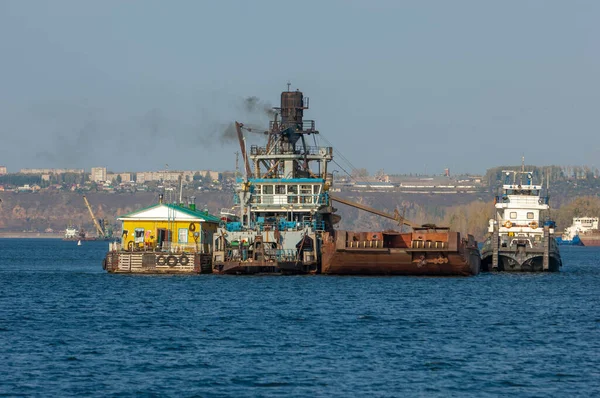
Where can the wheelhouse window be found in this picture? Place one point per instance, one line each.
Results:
(280, 189)
(306, 193)
(267, 189)
(530, 215)
(257, 194)
(513, 214)
(292, 191)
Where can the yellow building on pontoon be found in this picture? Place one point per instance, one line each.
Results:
(163, 238)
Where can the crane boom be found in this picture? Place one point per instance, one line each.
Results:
(396, 217)
(238, 129)
(98, 227)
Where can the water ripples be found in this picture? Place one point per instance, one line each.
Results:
(67, 328)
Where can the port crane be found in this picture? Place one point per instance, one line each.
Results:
(101, 232)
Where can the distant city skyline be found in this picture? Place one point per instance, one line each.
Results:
(400, 86)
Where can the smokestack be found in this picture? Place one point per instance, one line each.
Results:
(192, 203)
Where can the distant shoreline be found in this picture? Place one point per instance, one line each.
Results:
(37, 235)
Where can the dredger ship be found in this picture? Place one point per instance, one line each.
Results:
(283, 219)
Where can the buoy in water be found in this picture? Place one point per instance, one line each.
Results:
(78, 243)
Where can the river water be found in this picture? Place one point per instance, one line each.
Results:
(68, 328)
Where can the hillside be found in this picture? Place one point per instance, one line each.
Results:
(466, 213)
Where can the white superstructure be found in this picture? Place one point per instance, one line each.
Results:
(71, 233)
(580, 225)
(518, 211)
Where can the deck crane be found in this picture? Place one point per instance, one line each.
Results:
(396, 216)
(240, 135)
(101, 232)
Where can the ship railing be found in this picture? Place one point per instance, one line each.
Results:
(234, 226)
(299, 150)
(289, 199)
(520, 241)
(236, 254)
(281, 254)
(175, 247)
(365, 244)
(542, 200)
(308, 126)
(428, 244)
(243, 254)
(290, 225)
(171, 247)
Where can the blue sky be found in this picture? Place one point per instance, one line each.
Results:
(410, 87)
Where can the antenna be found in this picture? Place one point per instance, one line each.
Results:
(237, 168)
(180, 187)
(245, 169)
(289, 84)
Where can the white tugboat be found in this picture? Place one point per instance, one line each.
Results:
(518, 240)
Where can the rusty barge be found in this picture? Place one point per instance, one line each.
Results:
(426, 250)
(286, 223)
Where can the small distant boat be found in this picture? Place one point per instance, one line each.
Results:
(78, 243)
(71, 233)
(580, 233)
(229, 215)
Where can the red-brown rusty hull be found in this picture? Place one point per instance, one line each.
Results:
(464, 260)
(591, 239)
(398, 263)
(264, 267)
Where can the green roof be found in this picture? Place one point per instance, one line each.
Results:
(194, 213)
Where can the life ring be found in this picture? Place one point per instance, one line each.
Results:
(508, 224)
(533, 224)
(192, 227)
(171, 261)
(160, 260)
(183, 260)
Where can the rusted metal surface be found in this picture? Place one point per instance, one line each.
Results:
(264, 267)
(590, 238)
(392, 253)
(157, 262)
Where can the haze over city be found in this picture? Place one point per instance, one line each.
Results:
(407, 87)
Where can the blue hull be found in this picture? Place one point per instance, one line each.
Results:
(574, 242)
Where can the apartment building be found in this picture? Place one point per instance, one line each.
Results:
(51, 171)
(98, 174)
